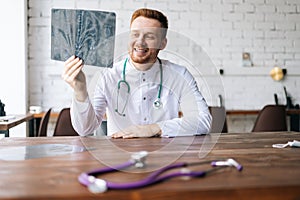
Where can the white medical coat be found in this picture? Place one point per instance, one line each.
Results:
(179, 93)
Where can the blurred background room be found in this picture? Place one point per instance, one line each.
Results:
(244, 39)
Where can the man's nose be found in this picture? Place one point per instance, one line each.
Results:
(141, 39)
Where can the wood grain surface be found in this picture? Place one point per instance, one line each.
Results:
(268, 173)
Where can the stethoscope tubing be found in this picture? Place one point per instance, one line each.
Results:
(83, 178)
(151, 179)
(156, 104)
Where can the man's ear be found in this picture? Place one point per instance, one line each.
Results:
(163, 44)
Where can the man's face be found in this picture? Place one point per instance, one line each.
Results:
(145, 40)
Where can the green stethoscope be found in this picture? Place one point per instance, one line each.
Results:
(157, 104)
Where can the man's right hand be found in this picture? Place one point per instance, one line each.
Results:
(74, 76)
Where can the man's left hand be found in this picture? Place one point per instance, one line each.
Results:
(134, 131)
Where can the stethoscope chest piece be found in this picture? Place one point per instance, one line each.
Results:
(157, 104)
(139, 159)
(97, 185)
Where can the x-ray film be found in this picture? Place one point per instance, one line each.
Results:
(88, 34)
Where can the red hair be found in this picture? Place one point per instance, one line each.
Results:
(151, 14)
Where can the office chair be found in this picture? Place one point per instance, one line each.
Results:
(63, 125)
(219, 122)
(271, 118)
(44, 124)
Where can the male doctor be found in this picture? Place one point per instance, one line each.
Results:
(142, 94)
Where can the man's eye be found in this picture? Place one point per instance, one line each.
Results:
(135, 35)
(150, 37)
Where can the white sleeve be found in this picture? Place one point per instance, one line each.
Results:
(196, 116)
(87, 116)
(83, 117)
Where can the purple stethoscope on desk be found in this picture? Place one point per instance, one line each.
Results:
(96, 185)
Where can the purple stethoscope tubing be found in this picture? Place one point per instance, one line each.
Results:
(149, 180)
(83, 178)
(98, 185)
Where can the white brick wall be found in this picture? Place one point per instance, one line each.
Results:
(268, 29)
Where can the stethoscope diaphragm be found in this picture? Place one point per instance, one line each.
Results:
(157, 104)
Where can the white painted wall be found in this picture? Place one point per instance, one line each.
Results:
(13, 87)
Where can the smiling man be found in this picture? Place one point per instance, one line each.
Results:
(142, 94)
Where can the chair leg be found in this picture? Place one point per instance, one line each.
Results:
(6, 133)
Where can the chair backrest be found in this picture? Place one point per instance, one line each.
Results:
(63, 125)
(219, 122)
(44, 124)
(271, 118)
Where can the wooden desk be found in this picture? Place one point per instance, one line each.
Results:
(36, 121)
(255, 112)
(5, 126)
(40, 115)
(293, 114)
(268, 172)
(242, 112)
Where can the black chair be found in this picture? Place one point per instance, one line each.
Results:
(219, 122)
(271, 118)
(104, 127)
(63, 125)
(44, 124)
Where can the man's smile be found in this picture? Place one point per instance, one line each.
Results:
(141, 50)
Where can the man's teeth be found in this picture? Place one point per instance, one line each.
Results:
(141, 50)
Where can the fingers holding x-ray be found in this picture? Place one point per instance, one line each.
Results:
(72, 68)
(74, 76)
